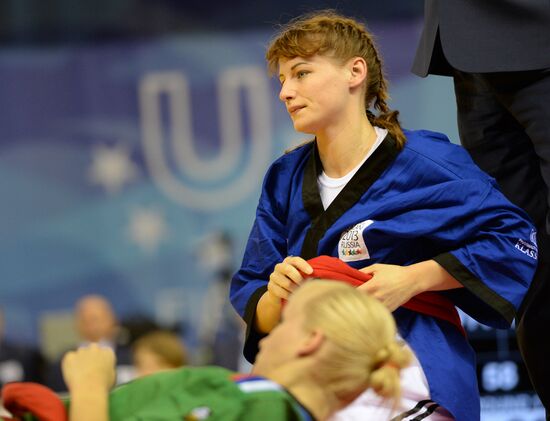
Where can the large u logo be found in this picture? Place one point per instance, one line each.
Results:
(243, 169)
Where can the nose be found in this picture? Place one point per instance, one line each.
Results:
(287, 92)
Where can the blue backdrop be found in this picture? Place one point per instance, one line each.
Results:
(119, 162)
(123, 165)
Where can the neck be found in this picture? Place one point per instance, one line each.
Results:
(342, 148)
(315, 397)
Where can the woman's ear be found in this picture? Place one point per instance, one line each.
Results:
(312, 343)
(358, 71)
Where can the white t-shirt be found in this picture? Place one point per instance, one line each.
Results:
(330, 187)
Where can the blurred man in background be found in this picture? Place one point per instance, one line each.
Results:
(96, 322)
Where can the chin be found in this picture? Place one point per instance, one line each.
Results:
(257, 366)
(261, 366)
(304, 128)
(256, 369)
(307, 126)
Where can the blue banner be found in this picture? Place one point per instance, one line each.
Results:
(133, 169)
(121, 162)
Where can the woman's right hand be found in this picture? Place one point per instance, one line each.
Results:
(287, 276)
(284, 280)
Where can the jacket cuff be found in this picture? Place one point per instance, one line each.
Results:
(492, 302)
(252, 336)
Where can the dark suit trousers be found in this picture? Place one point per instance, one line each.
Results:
(504, 122)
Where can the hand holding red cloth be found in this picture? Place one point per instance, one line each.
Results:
(428, 303)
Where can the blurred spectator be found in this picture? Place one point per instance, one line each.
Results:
(95, 321)
(158, 351)
(18, 362)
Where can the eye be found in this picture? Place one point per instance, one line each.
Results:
(301, 74)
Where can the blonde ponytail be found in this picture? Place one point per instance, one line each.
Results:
(385, 374)
(364, 350)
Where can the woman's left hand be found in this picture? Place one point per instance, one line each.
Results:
(393, 285)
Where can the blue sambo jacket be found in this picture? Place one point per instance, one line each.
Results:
(425, 201)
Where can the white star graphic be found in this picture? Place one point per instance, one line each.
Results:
(215, 251)
(147, 229)
(111, 168)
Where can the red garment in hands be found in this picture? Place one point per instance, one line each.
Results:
(428, 303)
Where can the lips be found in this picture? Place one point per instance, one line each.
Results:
(294, 108)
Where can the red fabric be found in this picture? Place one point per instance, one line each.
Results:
(428, 303)
(42, 402)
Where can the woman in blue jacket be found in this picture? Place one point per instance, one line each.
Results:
(408, 207)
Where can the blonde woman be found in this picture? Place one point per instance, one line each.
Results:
(333, 342)
(407, 207)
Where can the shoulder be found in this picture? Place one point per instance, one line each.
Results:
(296, 154)
(204, 377)
(212, 372)
(429, 143)
(434, 151)
(291, 162)
(263, 396)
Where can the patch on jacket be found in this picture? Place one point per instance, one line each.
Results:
(351, 246)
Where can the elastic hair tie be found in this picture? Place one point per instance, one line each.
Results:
(383, 364)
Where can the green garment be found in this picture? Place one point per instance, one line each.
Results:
(205, 393)
(201, 393)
